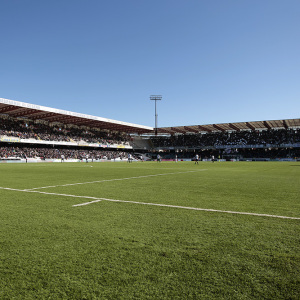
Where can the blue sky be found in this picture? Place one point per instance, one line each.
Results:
(212, 61)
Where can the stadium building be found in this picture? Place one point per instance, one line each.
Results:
(31, 132)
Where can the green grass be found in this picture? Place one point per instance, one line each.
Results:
(116, 250)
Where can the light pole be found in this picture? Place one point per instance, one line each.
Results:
(155, 98)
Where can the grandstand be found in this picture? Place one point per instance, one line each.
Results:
(260, 140)
(34, 132)
(29, 131)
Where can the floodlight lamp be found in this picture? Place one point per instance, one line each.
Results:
(155, 97)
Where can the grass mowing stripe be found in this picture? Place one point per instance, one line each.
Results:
(152, 204)
(116, 179)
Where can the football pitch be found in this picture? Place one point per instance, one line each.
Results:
(148, 230)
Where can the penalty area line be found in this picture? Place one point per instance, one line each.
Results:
(95, 199)
(191, 208)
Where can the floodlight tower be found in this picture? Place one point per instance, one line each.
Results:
(155, 98)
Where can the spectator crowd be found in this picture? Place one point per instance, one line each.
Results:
(266, 137)
(53, 153)
(26, 129)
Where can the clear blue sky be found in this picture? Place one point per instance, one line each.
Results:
(212, 61)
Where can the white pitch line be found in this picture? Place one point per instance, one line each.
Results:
(192, 208)
(151, 204)
(108, 180)
(55, 194)
(87, 203)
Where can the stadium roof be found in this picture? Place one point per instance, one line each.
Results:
(256, 125)
(37, 112)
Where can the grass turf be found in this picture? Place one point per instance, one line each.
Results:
(115, 250)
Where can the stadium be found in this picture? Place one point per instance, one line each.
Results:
(89, 212)
(37, 133)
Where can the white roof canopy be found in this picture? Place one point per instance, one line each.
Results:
(38, 112)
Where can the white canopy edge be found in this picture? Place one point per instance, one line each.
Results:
(69, 113)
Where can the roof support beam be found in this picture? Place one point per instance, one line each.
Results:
(25, 113)
(58, 118)
(42, 116)
(267, 124)
(218, 128)
(9, 108)
(202, 128)
(176, 130)
(190, 129)
(162, 130)
(285, 124)
(234, 127)
(84, 121)
(48, 116)
(250, 126)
